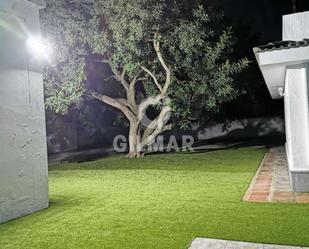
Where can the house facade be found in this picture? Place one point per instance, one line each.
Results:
(23, 153)
(285, 67)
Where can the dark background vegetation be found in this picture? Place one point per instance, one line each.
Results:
(254, 22)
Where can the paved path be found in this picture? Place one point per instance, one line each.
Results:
(203, 243)
(271, 182)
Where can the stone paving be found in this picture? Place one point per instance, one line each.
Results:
(204, 243)
(271, 182)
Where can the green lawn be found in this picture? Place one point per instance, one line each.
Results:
(160, 201)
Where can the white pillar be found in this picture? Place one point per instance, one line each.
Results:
(23, 153)
(296, 28)
(297, 125)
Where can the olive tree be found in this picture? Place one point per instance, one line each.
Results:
(167, 55)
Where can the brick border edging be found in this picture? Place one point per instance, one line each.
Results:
(253, 180)
(265, 187)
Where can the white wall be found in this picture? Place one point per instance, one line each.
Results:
(23, 155)
(244, 127)
(297, 117)
(295, 26)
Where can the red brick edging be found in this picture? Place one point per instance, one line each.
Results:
(262, 189)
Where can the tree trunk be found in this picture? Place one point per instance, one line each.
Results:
(135, 113)
(135, 149)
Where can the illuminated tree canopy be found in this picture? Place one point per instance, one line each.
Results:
(166, 55)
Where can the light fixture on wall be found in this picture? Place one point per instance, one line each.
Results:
(37, 47)
(281, 91)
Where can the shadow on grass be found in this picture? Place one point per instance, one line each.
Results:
(231, 159)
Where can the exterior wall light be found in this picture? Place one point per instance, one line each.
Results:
(37, 47)
(281, 91)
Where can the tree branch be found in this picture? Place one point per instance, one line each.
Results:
(118, 103)
(135, 79)
(154, 78)
(119, 76)
(153, 100)
(156, 44)
(112, 76)
(131, 92)
(156, 127)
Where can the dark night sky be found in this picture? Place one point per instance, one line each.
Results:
(255, 22)
(264, 16)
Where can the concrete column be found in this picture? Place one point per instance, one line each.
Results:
(295, 27)
(23, 153)
(297, 125)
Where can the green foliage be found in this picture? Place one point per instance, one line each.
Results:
(122, 31)
(203, 73)
(65, 74)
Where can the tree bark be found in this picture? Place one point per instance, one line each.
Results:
(136, 112)
(134, 143)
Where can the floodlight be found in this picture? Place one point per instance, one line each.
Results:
(37, 47)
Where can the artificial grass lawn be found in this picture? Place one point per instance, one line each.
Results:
(160, 201)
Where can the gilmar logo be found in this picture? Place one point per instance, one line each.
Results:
(120, 144)
(154, 142)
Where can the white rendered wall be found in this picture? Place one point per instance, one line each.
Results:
(23, 154)
(242, 128)
(297, 117)
(296, 26)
